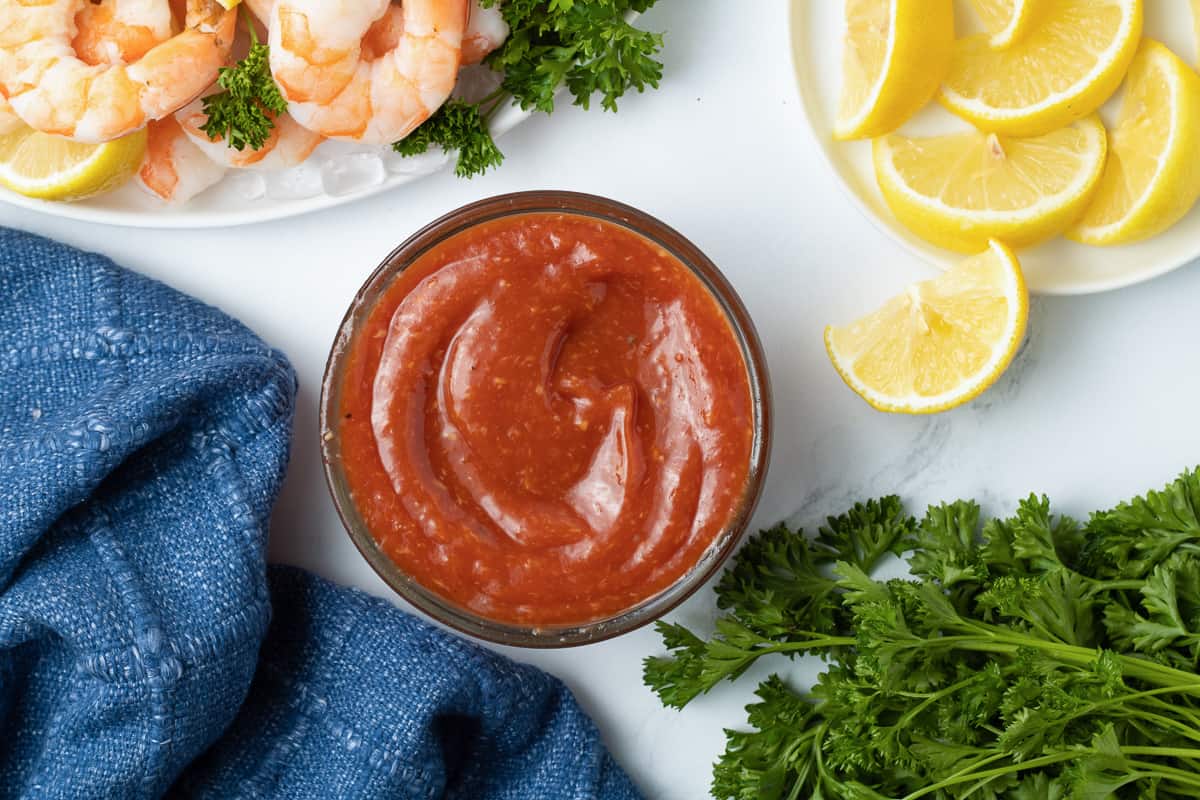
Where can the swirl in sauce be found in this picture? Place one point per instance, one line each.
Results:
(546, 419)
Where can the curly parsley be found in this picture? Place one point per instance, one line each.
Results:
(588, 46)
(241, 113)
(1027, 658)
(456, 126)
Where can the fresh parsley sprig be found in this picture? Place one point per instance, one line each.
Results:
(458, 127)
(781, 596)
(586, 45)
(241, 113)
(1029, 657)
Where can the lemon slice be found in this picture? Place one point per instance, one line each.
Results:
(896, 53)
(1153, 174)
(1007, 21)
(1064, 69)
(962, 189)
(942, 342)
(53, 168)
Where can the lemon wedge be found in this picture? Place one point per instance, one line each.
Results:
(1064, 69)
(1007, 21)
(896, 54)
(942, 342)
(1153, 174)
(960, 190)
(53, 168)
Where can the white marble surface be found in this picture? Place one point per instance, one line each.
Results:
(1101, 404)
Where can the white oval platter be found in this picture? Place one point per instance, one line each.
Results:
(1057, 267)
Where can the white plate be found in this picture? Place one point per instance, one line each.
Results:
(226, 204)
(1057, 267)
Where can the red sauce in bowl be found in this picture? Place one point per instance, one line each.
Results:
(546, 419)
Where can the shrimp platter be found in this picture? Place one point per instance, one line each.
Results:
(338, 76)
(207, 113)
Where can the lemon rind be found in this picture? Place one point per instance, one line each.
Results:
(1047, 205)
(1114, 231)
(20, 183)
(1016, 28)
(977, 111)
(841, 128)
(106, 166)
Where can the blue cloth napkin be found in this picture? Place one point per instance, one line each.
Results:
(143, 439)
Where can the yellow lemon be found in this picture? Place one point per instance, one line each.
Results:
(896, 54)
(53, 168)
(1064, 69)
(942, 342)
(1007, 21)
(1153, 174)
(962, 189)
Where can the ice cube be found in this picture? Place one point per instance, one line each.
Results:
(476, 82)
(238, 188)
(245, 184)
(428, 162)
(352, 173)
(296, 183)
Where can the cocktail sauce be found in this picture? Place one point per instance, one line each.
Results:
(546, 419)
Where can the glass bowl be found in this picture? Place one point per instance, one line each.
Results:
(450, 613)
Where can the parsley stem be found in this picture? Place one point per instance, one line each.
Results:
(496, 94)
(1009, 643)
(1109, 585)
(933, 698)
(1033, 763)
(1161, 770)
(818, 642)
(986, 776)
(819, 754)
(1178, 752)
(249, 20)
(1181, 728)
(1145, 694)
(1173, 709)
(496, 99)
(982, 762)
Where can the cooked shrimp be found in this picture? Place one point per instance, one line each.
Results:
(120, 31)
(336, 89)
(54, 90)
(9, 121)
(384, 33)
(486, 30)
(174, 169)
(287, 145)
(107, 33)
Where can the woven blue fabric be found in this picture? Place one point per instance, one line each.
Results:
(143, 439)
